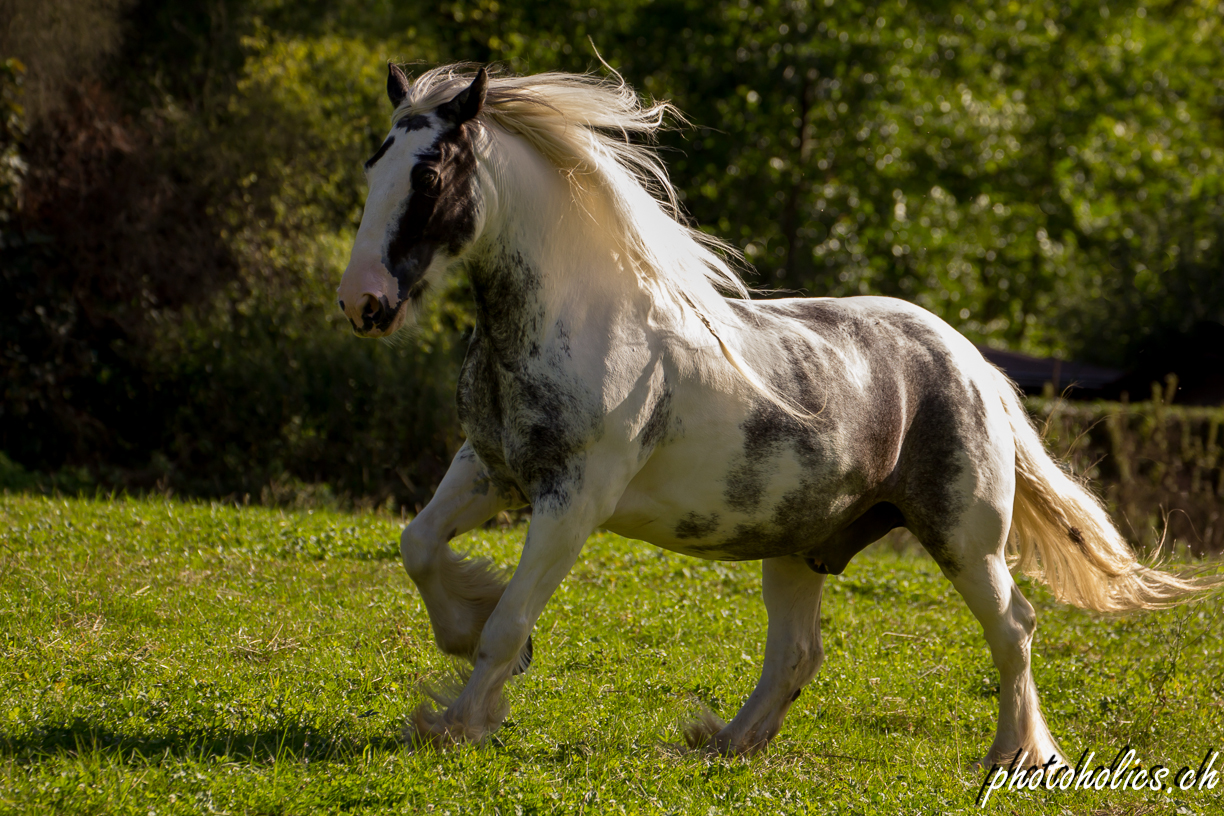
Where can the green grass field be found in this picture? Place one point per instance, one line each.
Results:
(166, 657)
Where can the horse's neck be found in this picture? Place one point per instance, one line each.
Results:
(550, 268)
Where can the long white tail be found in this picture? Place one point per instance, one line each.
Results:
(1062, 535)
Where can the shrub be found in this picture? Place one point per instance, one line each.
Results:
(1159, 467)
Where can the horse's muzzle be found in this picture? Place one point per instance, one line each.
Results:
(373, 316)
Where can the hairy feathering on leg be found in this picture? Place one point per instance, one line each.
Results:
(475, 586)
(443, 723)
(699, 732)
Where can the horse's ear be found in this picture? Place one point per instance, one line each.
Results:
(468, 102)
(397, 84)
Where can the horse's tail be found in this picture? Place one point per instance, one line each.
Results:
(1064, 536)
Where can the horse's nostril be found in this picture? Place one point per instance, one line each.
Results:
(370, 309)
(341, 305)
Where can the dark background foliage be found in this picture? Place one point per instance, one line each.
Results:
(179, 182)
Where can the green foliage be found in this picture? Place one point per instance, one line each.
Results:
(188, 658)
(13, 476)
(60, 43)
(1045, 176)
(374, 420)
(12, 129)
(965, 158)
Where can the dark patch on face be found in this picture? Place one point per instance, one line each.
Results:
(795, 695)
(697, 526)
(378, 155)
(411, 123)
(439, 214)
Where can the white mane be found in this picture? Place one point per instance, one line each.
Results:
(582, 124)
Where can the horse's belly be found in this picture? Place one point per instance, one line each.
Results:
(733, 511)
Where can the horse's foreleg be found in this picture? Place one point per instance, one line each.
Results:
(552, 547)
(793, 654)
(459, 593)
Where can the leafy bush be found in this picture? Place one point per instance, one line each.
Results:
(272, 392)
(1160, 468)
(13, 476)
(1046, 176)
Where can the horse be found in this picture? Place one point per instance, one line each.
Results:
(620, 376)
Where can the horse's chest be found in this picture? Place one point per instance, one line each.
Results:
(530, 425)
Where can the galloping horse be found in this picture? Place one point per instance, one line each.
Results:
(619, 376)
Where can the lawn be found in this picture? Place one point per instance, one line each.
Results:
(169, 657)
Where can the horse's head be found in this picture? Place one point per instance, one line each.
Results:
(423, 210)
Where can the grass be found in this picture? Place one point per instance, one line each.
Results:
(165, 657)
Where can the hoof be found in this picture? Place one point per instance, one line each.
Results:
(1026, 759)
(432, 728)
(426, 730)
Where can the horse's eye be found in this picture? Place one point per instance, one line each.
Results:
(427, 178)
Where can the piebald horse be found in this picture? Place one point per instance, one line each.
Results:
(618, 376)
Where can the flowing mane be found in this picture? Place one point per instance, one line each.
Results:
(582, 124)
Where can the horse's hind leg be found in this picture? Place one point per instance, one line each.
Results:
(793, 655)
(459, 593)
(972, 556)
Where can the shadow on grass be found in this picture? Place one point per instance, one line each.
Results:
(295, 742)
